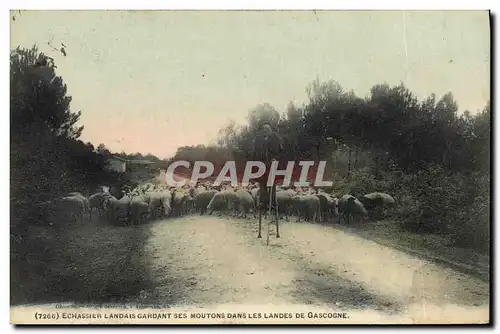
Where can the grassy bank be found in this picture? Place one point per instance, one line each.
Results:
(432, 246)
(82, 263)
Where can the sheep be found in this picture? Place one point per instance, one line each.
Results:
(139, 210)
(222, 200)
(166, 201)
(218, 188)
(154, 200)
(376, 200)
(179, 197)
(243, 202)
(72, 206)
(349, 206)
(199, 188)
(85, 201)
(284, 199)
(120, 209)
(307, 205)
(333, 206)
(231, 200)
(147, 186)
(202, 199)
(189, 204)
(107, 207)
(324, 205)
(96, 201)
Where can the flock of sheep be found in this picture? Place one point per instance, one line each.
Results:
(150, 202)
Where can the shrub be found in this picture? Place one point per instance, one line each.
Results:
(433, 200)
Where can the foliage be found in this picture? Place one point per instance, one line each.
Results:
(46, 158)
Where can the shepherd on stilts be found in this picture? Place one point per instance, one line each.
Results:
(267, 147)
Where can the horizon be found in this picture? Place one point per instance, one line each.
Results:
(157, 81)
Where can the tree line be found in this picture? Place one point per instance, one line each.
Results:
(389, 124)
(426, 153)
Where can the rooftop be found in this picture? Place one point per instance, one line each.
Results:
(137, 162)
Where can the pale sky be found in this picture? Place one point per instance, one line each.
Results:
(150, 82)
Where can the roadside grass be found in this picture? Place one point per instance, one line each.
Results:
(89, 263)
(437, 246)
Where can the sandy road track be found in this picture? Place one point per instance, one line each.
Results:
(200, 261)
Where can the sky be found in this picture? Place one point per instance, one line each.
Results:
(152, 81)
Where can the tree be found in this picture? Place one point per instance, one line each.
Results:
(293, 114)
(41, 124)
(38, 100)
(103, 150)
(291, 128)
(481, 141)
(325, 115)
(46, 158)
(263, 113)
(227, 135)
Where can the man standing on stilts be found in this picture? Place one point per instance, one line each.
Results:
(267, 147)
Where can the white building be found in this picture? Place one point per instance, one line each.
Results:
(121, 165)
(117, 164)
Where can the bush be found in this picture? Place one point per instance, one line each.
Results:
(475, 232)
(433, 200)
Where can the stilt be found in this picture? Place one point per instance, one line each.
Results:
(270, 213)
(260, 221)
(277, 214)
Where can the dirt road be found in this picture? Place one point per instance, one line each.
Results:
(210, 261)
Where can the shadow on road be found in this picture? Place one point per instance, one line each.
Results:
(92, 263)
(320, 284)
